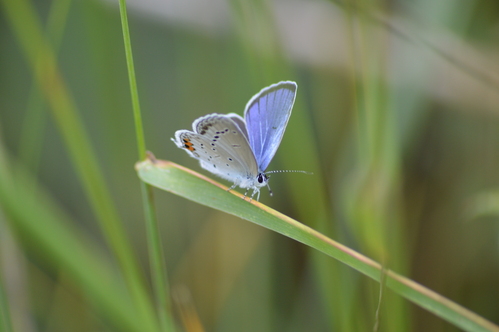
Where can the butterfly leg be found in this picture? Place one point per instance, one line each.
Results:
(270, 190)
(246, 194)
(255, 191)
(232, 187)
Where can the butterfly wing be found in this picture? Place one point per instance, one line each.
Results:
(267, 115)
(239, 121)
(221, 146)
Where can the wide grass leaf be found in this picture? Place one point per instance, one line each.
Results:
(198, 188)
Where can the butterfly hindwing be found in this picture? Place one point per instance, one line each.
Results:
(221, 147)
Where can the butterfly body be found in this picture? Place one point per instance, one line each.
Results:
(240, 149)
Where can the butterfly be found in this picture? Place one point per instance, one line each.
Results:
(240, 149)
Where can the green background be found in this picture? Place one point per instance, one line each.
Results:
(396, 115)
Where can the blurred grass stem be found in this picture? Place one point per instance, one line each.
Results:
(157, 261)
(268, 62)
(5, 321)
(31, 139)
(25, 24)
(375, 177)
(38, 221)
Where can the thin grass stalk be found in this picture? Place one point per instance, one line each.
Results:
(31, 138)
(268, 61)
(5, 320)
(368, 165)
(377, 166)
(35, 220)
(25, 24)
(358, 130)
(156, 257)
(419, 39)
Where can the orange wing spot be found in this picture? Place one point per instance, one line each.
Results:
(188, 145)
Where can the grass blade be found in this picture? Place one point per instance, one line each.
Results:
(24, 22)
(48, 233)
(158, 267)
(5, 322)
(193, 186)
(35, 120)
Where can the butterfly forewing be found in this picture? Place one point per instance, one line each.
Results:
(221, 147)
(267, 115)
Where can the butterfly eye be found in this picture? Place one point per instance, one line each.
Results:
(261, 178)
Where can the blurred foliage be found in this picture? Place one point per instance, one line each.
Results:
(396, 116)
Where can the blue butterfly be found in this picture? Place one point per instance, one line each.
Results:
(240, 149)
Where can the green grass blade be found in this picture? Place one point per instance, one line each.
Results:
(5, 322)
(193, 186)
(421, 38)
(49, 234)
(132, 81)
(158, 267)
(256, 25)
(34, 123)
(25, 24)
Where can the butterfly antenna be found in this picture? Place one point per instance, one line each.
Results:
(284, 171)
(289, 171)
